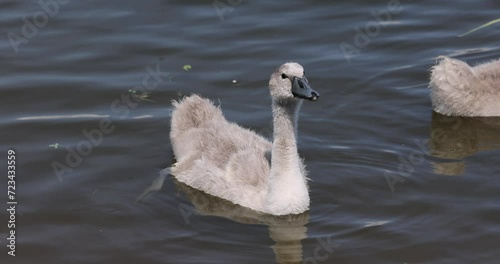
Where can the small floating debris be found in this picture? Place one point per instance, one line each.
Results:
(235, 81)
(143, 96)
(187, 67)
(480, 27)
(55, 146)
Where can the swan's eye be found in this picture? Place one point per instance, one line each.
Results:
(283, 76)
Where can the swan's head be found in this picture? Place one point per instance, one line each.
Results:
(289, 82)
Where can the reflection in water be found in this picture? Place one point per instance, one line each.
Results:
(287, 231)
(455, 138)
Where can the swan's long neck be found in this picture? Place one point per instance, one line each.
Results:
(285, 119)
(288, 192)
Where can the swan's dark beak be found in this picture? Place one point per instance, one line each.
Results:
(301, 89)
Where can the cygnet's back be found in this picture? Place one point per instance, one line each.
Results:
(460, 90)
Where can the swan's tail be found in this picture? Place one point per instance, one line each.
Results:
(192, 112)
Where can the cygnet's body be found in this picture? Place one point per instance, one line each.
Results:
(460, 90)
(234, 163)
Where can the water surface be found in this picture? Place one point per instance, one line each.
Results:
(373, 122)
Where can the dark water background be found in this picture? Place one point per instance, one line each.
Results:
(373, 122)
